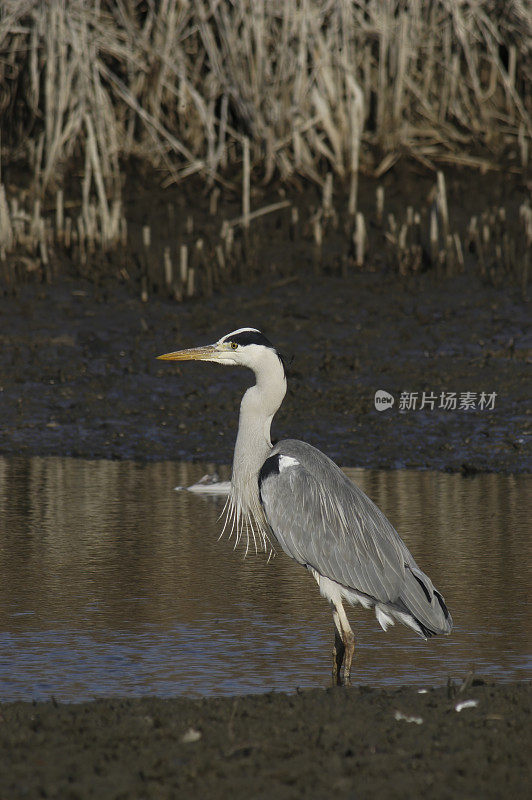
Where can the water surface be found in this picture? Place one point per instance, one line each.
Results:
(113, 584)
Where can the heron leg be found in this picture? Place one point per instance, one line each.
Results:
(338, 651)
(347, 639)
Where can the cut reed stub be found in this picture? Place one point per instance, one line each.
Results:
(327, 199)
(144, 289)
(433, 236)
(183, 264)
(360, 239)
(294, 223)
(59, 215)
(168, 268)
(191, 282)
(379, 204)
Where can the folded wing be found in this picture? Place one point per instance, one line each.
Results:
(325, 522)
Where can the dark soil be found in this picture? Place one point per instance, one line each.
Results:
(78, 373)
(339, 743)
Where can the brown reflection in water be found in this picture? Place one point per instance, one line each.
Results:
(110, 545)
(469, 534)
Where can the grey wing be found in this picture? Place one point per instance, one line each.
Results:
(324, 521)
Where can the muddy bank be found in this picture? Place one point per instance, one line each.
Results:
(79, 375)
(339, 742)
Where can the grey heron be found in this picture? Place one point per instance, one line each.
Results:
(293, 495)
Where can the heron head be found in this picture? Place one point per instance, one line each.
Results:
(245, 347)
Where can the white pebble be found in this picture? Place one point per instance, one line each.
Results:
(466, 704)
(192, 735)
(399, 715)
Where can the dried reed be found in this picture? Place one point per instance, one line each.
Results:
(266, 88)
(178, 83)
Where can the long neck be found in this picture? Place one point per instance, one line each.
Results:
(253, 443)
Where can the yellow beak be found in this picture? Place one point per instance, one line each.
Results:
(193, 354)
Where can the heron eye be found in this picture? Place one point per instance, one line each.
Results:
(234, 345)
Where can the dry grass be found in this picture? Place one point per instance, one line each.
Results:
(309, 83)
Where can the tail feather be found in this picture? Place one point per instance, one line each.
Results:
(424, 603)
(419, 605)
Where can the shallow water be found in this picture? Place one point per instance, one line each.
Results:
(113, 584)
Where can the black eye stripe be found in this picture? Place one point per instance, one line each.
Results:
(251, 337)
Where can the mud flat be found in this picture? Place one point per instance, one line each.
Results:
(79, 375)
(356, 742)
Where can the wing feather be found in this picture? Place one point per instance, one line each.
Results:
(324, 521)
(321, 519)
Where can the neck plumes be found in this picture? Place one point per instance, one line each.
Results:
(253, 445)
